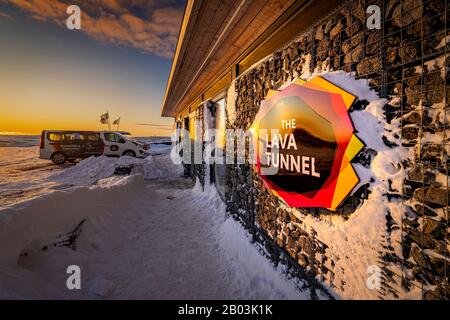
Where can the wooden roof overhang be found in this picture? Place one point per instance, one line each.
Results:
(219, 40)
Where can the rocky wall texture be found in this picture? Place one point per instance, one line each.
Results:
(406, 62)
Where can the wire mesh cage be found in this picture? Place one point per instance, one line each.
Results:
(406, 61)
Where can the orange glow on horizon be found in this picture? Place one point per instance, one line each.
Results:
(13, 124)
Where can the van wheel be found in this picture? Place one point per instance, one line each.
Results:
(58, 158)
(129, 153)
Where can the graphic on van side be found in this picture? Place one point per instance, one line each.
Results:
(305, 133)
(77, 144)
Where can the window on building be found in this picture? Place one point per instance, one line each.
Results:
(220, 168)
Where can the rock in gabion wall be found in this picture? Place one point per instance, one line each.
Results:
(406, 62)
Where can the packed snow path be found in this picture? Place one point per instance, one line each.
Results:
(171, 252)
(144, 239)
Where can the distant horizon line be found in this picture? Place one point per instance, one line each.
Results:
(23, 134)
(12, 133)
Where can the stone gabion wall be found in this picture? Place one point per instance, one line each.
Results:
(406, 58)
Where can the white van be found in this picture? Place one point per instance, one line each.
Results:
(61, 146)
(117, 144)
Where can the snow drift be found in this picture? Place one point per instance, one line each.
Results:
(92, 169)
(32, 225)
(141, 239)
(89, 192)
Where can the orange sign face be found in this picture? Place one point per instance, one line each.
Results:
(304, 141)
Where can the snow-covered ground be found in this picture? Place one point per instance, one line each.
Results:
(24, 176)
(150, 235)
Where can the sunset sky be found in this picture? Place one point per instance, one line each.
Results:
(55, 78)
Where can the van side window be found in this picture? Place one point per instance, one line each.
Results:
(52, 136)
(112, 137)
(91, 137)
(71, 136)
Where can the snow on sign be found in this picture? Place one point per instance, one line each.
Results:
(304, 141)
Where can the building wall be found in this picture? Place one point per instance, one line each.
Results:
(406, 63)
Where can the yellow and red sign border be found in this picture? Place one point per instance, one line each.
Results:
(333, 103)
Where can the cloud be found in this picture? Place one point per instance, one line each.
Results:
(154, 125)
(150, 26)
(6, 16)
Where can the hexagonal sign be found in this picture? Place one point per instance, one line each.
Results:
(304, 142)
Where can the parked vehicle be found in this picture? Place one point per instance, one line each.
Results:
(61, 146)
(116, 144)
